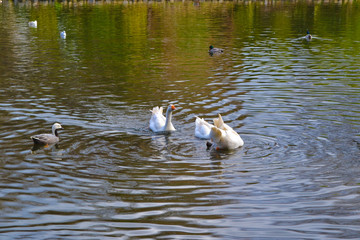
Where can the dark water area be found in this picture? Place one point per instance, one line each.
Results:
(294, 102)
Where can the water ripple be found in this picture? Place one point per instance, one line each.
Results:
(295, 104)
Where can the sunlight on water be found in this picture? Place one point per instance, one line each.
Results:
(294, 102)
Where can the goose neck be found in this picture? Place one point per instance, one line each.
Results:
(168, 117)
(55, 132)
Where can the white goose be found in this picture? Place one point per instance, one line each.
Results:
(63, 35)
(33, 24)
(202, 128)
(46, 138)
(224, 137)
(159, 123)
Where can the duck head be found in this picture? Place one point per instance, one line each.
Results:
(55, 128)
(171, 107)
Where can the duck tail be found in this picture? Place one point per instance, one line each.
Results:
(201, 121)
(157, 110)
(35, 139)
(219, 122)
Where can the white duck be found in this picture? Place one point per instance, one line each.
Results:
(159, 123)
(46, 138)
(202, 128)
(224, 137)
(33, 24)
(63, 35)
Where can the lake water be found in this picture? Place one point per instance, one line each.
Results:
(295, 103)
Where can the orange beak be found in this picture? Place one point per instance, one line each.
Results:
(173, 107)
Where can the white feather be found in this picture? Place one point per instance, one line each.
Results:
(159, 123)
(223, 136)
(202, 128)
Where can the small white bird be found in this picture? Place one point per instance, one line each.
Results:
(63, 35)
(33, 24)
(202, 128)
(224, 137)
(159, 123)
(46, 138)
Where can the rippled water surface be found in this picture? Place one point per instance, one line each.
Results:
(295, 104)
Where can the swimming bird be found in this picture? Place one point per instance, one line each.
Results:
(33, 24)
(308, 36)
(202, 128)
(213, 50)
(159, 123)
(63, 34)
(223, 137)
(46, 138)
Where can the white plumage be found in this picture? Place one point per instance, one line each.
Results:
(202, 128)
(63, 34)
(223, 137)
(159, 123)
(33, 24)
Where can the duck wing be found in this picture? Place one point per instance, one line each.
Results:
(202, 128)
(45, 139)
(157, 120)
